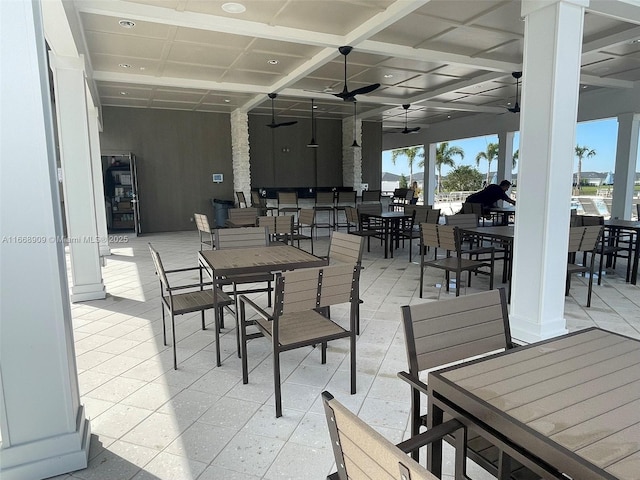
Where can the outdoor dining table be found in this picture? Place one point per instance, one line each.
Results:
(391, 223)
(617, 226)
(503, 234)
(237, 261)
(567, 407)
(503, 212)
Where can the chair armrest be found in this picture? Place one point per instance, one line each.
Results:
(244, 300)
(193, 285)
(175, 270)
(413, 381)
(430, 436)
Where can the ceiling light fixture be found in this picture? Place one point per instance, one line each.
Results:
(124, 93)
(355, 124)
(388, 75)
(637, 40)
(124, 65)
(127, 23)
(272, 62)
(313, 143)
(233, 7)
(226, 100)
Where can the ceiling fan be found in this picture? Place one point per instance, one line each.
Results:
(273, 123)
(406, 128)
(516, 107)
(345, 94)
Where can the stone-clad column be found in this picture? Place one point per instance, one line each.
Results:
(240, 153)
(44, 428)
(351, 156)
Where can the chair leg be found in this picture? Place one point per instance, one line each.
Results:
(216, 327)
(323, 355)
(164, 328)
(269, 290)
(353, 362)
(173, 333)
(421, 273)
(276, 382)
(415, 420)
(243, 334)
(202, 320)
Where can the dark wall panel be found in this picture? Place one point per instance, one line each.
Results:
(177, 152)
(280, 156)
(372, 154)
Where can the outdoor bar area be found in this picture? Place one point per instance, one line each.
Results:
(206, 272)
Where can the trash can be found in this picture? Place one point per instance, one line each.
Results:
(221, 210)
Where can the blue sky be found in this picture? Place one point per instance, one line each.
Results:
(598, 135)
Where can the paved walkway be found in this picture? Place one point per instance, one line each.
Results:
(151, 422)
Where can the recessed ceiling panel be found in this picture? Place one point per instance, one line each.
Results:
(468, 40)
(107, 24)
(284, 48)
(399, 92)
(203, 55)
(506, 18)
(178, 95)
(123, 90)
(214, 39)
(111, 63)
(124, 102)
(412, 30)
(259, 61)
(460, 11)
(384, 76)
(256, 10)
(250, 78)
(427, 82)
(171, 105)
(128, 45)
(196, 72)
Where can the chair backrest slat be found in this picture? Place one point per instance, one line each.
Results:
(324, 198)
(345, 248)
(242, 201)
(448, 237)
(243, 216)
(429, 235)
(288, 198)
(347, 198)
(202, 222)
(361, 452)
(307, 216)
(462, 220)
(371, 195)
(157, 263)
(575, 238)
(372, 208)
(433, 215)
(241, 237)
(591, 238)
(454, 329)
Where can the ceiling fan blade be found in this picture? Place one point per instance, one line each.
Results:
(515, 108)
(410, 130)
(287, 124)
(364, 90)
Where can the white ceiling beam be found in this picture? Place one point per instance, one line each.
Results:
(397, 10)
(177, 82)
(422, 54)
(608, 41)
(202, 21)
(596, 81)
(624, 10)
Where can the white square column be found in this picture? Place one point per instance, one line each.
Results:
(430, 182)
(77, 177)
(626, 158)
(98, 180)
(44, 428)
(551, 73)
(505, 155)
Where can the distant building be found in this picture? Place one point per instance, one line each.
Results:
(391, 181)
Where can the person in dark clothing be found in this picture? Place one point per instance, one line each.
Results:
(491, 194)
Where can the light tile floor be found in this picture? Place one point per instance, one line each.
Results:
(151, 422)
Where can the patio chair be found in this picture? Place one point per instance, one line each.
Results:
(586, 240)
(401, 197)
(296, 320)
(420, 214)
(589, 206)
(288, 203)
(242, 217)
(344, 199)
(325, 202)
(246, 237)
(204, 230)
(261, 204)
(358, 448)
(280, 227)
(371, 195)
(306, 219)
(447, 237)
(186, 298)
(242, 201)
(365, 211)
(347, 249)
(355, 228)
(451, 330)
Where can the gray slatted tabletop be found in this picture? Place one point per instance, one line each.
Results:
(572, 402)
(234, 261)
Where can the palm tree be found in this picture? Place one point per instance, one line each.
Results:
(489, 155)
(444, 156)
(411, 153)
(581, 152)
(514, 159)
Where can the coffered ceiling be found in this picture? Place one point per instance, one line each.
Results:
(447, 58)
